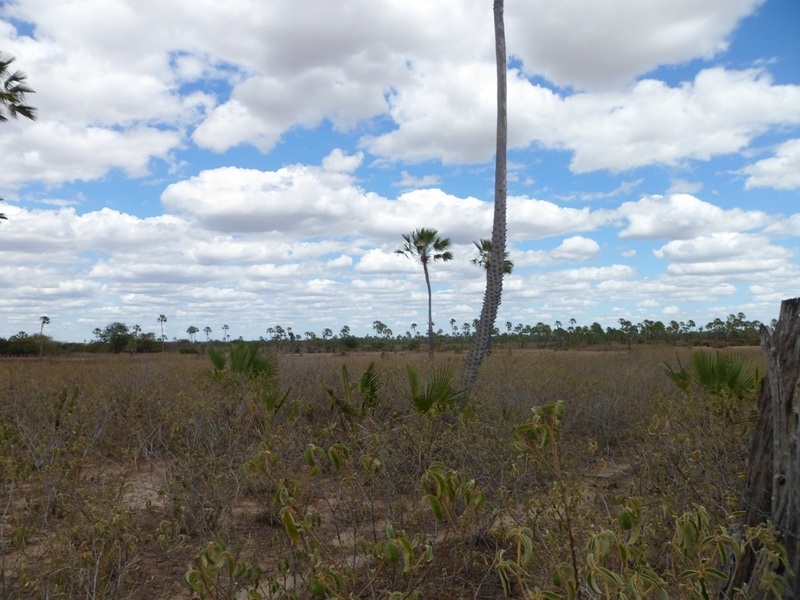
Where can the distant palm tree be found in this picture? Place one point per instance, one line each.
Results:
(45, 321)
(137, 329)
(192, 330)
(425, 245)
(484, 257)
(162, 319)
(207, 331)
(225, 335)
(12, 92)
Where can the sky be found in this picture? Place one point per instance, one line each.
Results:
(254, 164)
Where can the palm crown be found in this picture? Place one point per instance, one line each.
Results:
(425, 245)
(13, 91)
(484, 256)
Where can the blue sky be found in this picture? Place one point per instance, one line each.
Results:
(255, 163)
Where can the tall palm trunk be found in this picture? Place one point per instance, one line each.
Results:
(494, 272)
(430, 311)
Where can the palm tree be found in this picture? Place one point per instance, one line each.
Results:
(207, 331)
(484, 257)
(494, 271)
(45, 321)
(425, 245)
(137, 329)
(12, 92)
(225, 329)
(192, 330)
(162, 319)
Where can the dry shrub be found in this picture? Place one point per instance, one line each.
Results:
(303, 498)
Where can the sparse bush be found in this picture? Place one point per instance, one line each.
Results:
(117, 471)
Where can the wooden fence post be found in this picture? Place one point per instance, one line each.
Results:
(772, 492)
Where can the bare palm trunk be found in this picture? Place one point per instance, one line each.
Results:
(430, 311)
(494, 272)
(772, 492)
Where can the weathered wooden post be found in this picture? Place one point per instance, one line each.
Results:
(772, 492)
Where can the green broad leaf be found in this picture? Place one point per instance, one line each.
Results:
(194, 581)
(716, 573)
(309, 455)
(591, 581)
(504, 582)
(390, 551)
(335, 578)
(477, 500)
(625, 520)
(317, 588)
(527, 549)
(333, 456)
(428, 553)
(610, 575)
(338, 453)
(290, 525)
(408, 554)
(371, 464)
(436, 507)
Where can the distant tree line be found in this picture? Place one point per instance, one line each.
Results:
(118, 337)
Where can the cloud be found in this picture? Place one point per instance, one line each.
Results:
(572, 249)
(55, 153)
(586, 45)
(724, 254)
(612, 272)
(340, 162)
(682, 186)
(682, 217)
(272, 73)
(445, 112)
(443, 117)
(308, 200)
(413, 181)
(296, 198)
(657, 124)
(785, 226)
(332, 99)
(532, 219)
(718, 247)
(781, 172)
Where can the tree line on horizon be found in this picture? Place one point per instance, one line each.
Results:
(118, 337)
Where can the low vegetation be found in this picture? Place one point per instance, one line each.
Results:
(591, 474)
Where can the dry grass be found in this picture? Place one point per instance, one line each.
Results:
(117, 470)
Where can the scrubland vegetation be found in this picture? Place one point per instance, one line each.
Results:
(568, 474)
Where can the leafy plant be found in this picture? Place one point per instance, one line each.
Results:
(365, 389)
(450, 494)
(438, 394)
(245, 359)
(219, 574)
(717, 374)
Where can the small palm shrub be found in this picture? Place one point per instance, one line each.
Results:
(717, 374)
(345, 401)
(436, 395)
